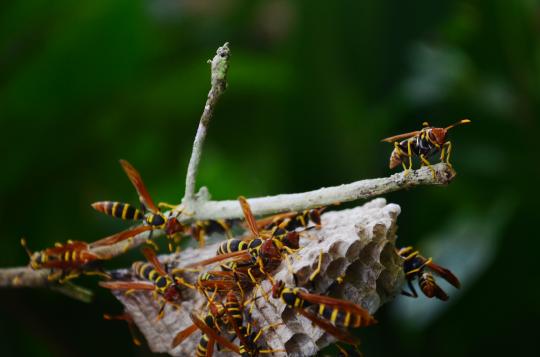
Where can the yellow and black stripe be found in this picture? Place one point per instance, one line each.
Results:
(120, 210)
(148, 272)
(339, 317)
(202, 347)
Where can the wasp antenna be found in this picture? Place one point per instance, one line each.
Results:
(25, 246)
(462, 121)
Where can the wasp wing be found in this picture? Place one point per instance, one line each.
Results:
(150, 255)
(338, 333)
(401, 136)
(127, 285)
(212, 334)
(118, 237)
(344, 305)
(250, 220)
(445, 274)
(182, 335)
(136, 180)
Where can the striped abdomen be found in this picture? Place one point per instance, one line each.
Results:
(236, 245)
(430, 288)
(71, 255)
(118, 209)
(202, 346)
(147, 272)
(341, 318)
(234, 309)
(291, 299)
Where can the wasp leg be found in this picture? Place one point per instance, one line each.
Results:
(412, 292)
(166, 205)
(401, 153)
(98, 273)
(54, 275)
(161, 311)
(150, 242)
(427, 163)
(448, 144)
(317, 270)
(71, 275)
(409, 154)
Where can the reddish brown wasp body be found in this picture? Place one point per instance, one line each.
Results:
(154, 278)
(69, 260)
(422, 143)
(415, 265)
(149, 213)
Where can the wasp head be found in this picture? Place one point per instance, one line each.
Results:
(292, 240)
(173, 226)
(173, 293)
(37, 259)
(438, 135)
(269, 249)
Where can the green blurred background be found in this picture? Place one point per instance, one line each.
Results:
(313, 87)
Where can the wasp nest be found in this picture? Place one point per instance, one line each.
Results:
(357, 246)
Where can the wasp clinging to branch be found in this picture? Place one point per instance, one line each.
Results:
(149, 213)
(422, 143)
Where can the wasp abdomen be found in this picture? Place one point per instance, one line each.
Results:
(118, 209)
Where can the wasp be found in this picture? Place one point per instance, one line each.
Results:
(290, 221)
(253, 258)
(73, 258)
(422, 143)
(246, 334)
(154, 278)
(149, 213)
(414, 266)
(210, 336)
(328, 313)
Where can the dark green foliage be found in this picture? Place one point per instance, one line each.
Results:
(313, 87)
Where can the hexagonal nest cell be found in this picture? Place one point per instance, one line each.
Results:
(357, 245)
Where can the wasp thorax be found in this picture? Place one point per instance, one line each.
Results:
(155, 219)
(172, 293)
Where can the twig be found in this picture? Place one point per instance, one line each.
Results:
(364, 189)
(219, 66)
(25, 277)
(202, 209)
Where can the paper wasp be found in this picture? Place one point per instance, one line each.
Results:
(73, 258)
(414, 266)
(246, 334)
(330, 314)
(149, 213)
(154, 278)
(422, 143)
(290, 221)
(255, 257)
